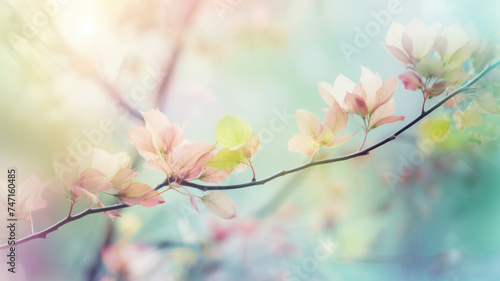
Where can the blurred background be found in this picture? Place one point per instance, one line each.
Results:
(402, 213)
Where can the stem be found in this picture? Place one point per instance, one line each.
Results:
(71, 208)
(315, 152)
(31, 224)
(423, 104)
(364, 140)
(366, 151)
(69, 218)
(253, 171)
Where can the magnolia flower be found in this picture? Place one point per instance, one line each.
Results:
(315, 134)
(411, 43)
(100, 172)
(28, 198)
(158, 138)
(454, 46)
(337, 91)
(163, 146)
(93, 174)
(371, 98)
(139, 194)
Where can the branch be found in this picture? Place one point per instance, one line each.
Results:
(171, 62)
(366, 151)
(70, 218)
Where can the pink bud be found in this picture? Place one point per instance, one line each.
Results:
(411, 81)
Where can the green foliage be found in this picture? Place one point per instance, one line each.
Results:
(232, 131)
(227, 159)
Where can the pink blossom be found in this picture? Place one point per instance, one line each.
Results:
(315, 134)
(411, 81)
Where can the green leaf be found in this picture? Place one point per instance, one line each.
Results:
(436, 129)
(232, 131)
(469, 118)
(429, 67)
(227, 159)
(487, 101)
(476, 137)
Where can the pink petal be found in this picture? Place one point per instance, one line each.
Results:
(441, 45)
(385, 93)
(141, 139)
(411, 81)
(212, 175)
(29, 197)
(123, 179)
(140, 194)
(165, 135)
(191, 158)
(340, 139)
(390, 119)
(394, 35)
(159, 165)
(398, 54)
(336, 119)
(193, 202)
(303, 144)
(438, 88)
(78, 192)
(325, 90)
(370, 84)
(357, 103)
(407, 44)
(110, 214)
(219, 204)
(93, 180)
(308, 123)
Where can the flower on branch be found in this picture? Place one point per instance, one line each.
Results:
(411, 43)
(102, 172)
(371, 98)
(28, 197)
(163, 146)
(315, 134)
(432, 72)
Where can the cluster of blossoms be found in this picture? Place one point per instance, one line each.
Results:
(370, 99)
(435, 61)
(435, 58)
(102, 172)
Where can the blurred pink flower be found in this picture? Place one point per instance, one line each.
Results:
(28, 198)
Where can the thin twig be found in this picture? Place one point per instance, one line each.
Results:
(366, 151)
(69, 218)
(172, 61)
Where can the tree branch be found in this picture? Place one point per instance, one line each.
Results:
(366, 151)
(69, 218)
